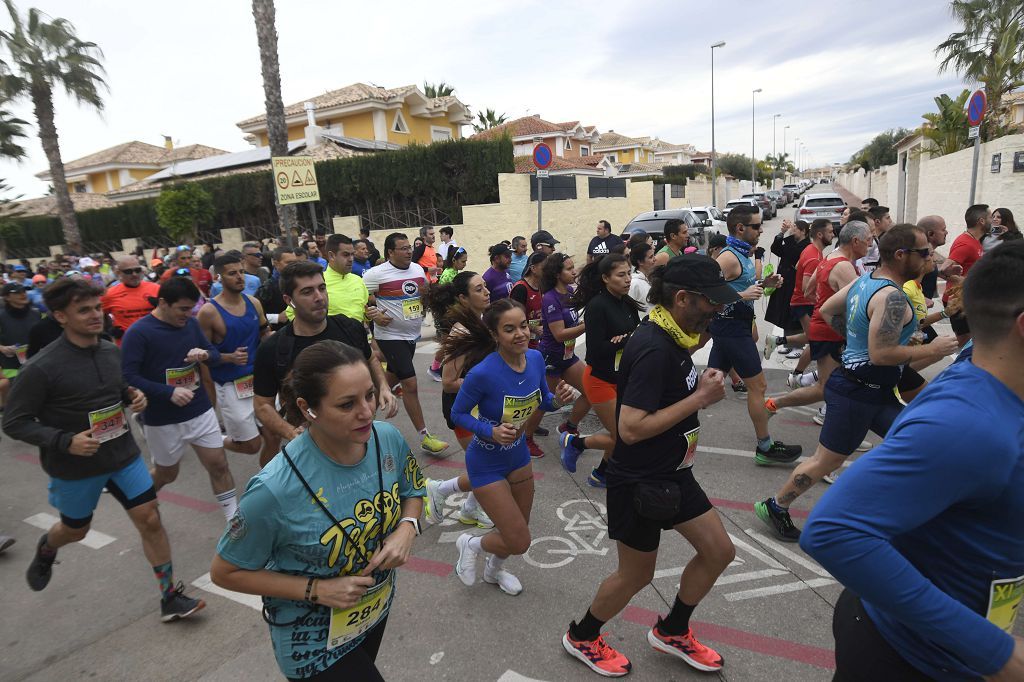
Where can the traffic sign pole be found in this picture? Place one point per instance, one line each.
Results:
(975, 115)
(974, 169)
(540, 201)
(542, 158)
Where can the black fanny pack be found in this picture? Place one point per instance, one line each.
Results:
(658, 500)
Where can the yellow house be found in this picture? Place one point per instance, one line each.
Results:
(401, 116)
(124, 164)
(623, 149)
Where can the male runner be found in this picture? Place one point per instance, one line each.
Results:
(427, 259)
(304, 289)
(397, 286)
(77, 418)
(129, 301)
(233, 321)
(269, 293)
(732, 329)
(499, 281)
(925, 533)
(17, 317)
(878, 321)
(183, 259)
(965, 252)
(543, 241)
(519, 258)
(676, 235)
(447, 242)
(603, 243)
(252, 261)
(360, 257)
(346, 292)
(161, 355)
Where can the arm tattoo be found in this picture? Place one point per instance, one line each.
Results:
(838, 322)
(892, 318)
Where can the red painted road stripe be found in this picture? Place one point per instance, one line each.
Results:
(455, 464)
(420, 565)
(748, 506)
(31, 459)
(188, 502)
(797, 422)
(802, 653)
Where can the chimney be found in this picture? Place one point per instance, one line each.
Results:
(168, 142)
(310, 113)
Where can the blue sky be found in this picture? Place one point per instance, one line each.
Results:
(838, 72)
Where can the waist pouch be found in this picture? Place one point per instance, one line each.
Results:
(657, 501)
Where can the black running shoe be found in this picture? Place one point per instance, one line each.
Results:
(777, 453)
(739, 387)
(41, 569)
(541, 431)
(178, 606)
(779, 522)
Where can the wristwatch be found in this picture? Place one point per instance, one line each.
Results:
(413, 520)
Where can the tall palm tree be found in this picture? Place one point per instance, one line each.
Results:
(266, 35)
(947, 128)
(441, 89)
(488, 119)
(45, 53)
(989, 50)
(10, 131)
(10, 148)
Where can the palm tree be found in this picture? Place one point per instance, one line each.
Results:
(488, 119)
(266, 35)
(989, 50)
(441, 89)
(10, 131)
(10, 148)
(947, 128)
(45, 53)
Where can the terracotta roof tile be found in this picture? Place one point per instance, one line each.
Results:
(524, 164)
(47, 205)
(527, 125)
(140, 153)
(613, 140)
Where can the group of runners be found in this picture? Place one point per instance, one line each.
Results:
(320, 530)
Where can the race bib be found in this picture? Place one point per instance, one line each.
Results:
(570, 348)
(108, 423)
(691, 449)
(1004, 601)
(22, 353)
(347, 624)
(183, 377)
(618, 359)
(243, 387)
(412, 308)
(517, 410)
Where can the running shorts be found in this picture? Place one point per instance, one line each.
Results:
(238, 413)
(76, 500)
(862, 652)
(597, 390)
(852, 409)
(167, 443)
(820, 349)
(797, 312)
(399, 355)
(485, 466)
(910, 380)
(735, 352)
(447, 400)
(643, 534)
(555, 364)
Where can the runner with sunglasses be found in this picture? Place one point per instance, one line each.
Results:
(131, 300)
(320, 529)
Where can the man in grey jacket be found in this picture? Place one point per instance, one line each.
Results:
(70, 401)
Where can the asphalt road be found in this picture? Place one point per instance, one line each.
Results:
(769, 615)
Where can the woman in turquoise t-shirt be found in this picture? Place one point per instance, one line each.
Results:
(319, 531)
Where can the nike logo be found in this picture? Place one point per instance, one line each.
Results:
(521, 381)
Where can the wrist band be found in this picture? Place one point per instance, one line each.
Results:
(309, 587)
(314, 597)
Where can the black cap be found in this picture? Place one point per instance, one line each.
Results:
(499, 249)
(717, 241)
(12, 288)
(543, 237)
(699, 273)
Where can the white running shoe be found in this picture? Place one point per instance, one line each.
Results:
(820, 417)
(864, 446)
(831, 478)
(508, 583)
(465, 567)
(434, 504)
(478, 517)
(795, 353)
(793, 380)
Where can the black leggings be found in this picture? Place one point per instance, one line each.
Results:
(862, 653)
(357, 664)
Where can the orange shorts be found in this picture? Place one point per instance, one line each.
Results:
(461, 433)
(597, 390)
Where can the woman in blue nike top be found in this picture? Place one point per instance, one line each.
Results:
(505, 389)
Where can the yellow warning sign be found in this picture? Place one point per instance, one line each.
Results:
(295, 179)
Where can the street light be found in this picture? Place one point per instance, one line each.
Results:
(720, 43)
(796, 154)
(753, 156)
(784, 141)
(775, 162)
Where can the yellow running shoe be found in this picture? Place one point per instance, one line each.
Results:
(432, 445)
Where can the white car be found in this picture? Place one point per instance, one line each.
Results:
(739, 202)
(711, 213)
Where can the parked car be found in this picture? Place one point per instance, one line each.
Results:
(767, 205)
(820, 205)
(717, 217)
(778, 197)
(653, 223)
(794, 191)
(740, 202)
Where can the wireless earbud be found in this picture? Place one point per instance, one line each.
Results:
(311, 413)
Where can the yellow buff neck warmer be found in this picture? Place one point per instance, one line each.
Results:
(663, 318)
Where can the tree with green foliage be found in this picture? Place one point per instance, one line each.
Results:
(881, 151)
(989, 50)
(43, 54)
(441, 89)
(947, 128)
(183, 209)
(10, 213)
(488, 119)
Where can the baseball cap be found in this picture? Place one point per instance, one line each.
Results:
(20, 268)
(87, 262)
(717, 241)
(39, 279)
(11, 288)
(695, 272)
(156, 262)
(499, 249)
(543, 237)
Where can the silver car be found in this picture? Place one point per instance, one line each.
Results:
(711, 213)
(741, 202)
(820, 205)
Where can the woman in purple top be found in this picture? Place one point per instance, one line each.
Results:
(561, 326)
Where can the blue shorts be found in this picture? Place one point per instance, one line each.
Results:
(131, 485)
(735, 352)
(555, 364)
(852, 410)
(485, 466)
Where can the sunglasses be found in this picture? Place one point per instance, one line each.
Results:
(131, 271)
(705, 296)
(923, 253)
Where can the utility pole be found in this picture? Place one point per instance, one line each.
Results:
(753, 156)
(714, 182)
(775, 158)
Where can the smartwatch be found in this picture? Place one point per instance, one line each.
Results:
(413, 520)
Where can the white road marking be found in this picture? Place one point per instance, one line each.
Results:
(93, 540)
(750, 549)
(428, 348)
(513, 676)
(749, 575)
(436, 658)
(778, 589)
(788, 553)
(203, 582)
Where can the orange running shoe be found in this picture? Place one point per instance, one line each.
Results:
(685, 647)
(598, 656)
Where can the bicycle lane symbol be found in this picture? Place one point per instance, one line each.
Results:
(585, 531)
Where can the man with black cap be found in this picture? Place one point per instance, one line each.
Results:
(497, 278)
(651, 487)
(543, 241)
(16, 319)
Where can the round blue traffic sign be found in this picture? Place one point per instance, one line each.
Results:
(976, 107)
(542, 156)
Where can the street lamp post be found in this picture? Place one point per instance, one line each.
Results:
(775, 161)
(796, 155)
(784, 142)
(753, 156)
(714, 183)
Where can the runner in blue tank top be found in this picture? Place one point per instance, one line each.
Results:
(878, 321)
(732, 330)
(234, 322)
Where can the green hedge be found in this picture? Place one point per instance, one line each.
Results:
(444, 175)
